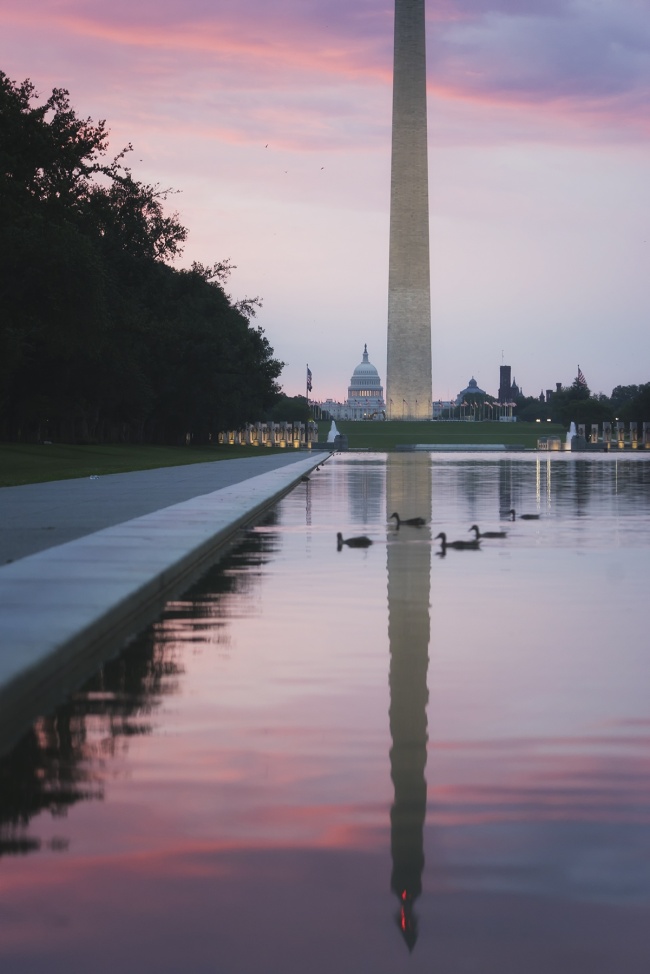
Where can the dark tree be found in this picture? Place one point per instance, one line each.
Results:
(637, 408)
(622, 395)
(100, 338)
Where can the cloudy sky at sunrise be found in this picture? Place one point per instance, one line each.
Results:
(272, 120)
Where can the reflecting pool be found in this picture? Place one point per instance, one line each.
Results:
(381, 759)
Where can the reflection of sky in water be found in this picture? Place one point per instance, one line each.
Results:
(242, 788)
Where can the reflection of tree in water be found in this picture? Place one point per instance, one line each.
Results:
(61, 760)
(585, 485)
(201, 617)
(58, 762)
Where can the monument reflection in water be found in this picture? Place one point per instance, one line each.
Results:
(313, 743)
(408, 491)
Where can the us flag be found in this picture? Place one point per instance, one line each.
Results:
(308, 379)
(580, 378)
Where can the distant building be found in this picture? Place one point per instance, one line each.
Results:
(445, 408)
(471, 390)
(505, 383)
(508, 388)
(365, 395)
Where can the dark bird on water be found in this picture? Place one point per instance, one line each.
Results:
(523, 517)
(361, 541)
(414, 522)
(487, 534)
(465, 545)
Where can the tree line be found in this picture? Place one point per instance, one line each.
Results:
(576, 403)
(101, 338)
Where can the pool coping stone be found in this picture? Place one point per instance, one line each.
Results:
(65, 609)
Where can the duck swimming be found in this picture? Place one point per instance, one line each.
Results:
(487, 534)
(359, 542)
(523, 517)
(467, 545)
(414, 522)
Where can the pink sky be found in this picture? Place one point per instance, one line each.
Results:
(272, 119)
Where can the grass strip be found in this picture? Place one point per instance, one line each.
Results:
(35, 463)
(384, 437)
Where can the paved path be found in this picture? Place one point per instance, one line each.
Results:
(88, 563)
(39, 516)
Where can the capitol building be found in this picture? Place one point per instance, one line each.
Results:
(365, 395)
(366, 399)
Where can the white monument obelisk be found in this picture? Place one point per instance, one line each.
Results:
(408, 372)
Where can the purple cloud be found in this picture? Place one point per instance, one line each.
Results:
(564, 53)
(567, 52)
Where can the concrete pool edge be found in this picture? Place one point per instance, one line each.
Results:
(65, 609)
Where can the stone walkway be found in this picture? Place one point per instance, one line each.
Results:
(39, 516)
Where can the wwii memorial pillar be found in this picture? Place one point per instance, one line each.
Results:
(408, 372)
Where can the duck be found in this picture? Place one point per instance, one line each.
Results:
(523, 517)
(467, 545)
(414, 522)
(361, 541)
(487, 534)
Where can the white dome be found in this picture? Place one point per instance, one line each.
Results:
(365, 395)
(365, 368)
(365, 392)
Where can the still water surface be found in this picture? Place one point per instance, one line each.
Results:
(378, 759)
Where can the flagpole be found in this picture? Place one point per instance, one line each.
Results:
(308, 389)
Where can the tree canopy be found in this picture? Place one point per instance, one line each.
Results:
(578, 404)
(101, 338)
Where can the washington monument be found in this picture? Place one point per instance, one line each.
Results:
(408, 369)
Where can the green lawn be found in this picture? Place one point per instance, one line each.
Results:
(386, 436)
(33, 463)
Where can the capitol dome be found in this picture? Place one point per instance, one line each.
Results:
(365, 395)
(365, 392)
(365, 380)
